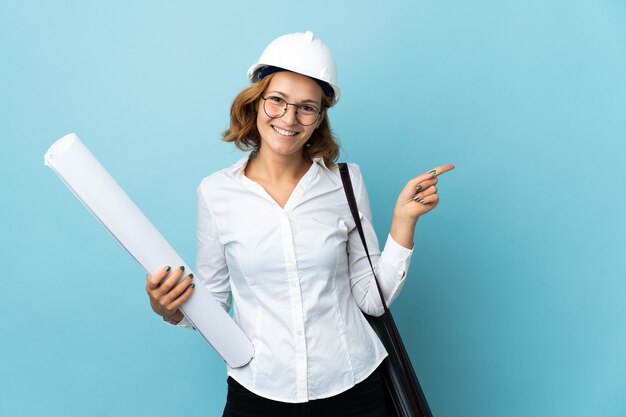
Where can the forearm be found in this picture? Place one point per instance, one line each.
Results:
(390, 268)
(403, 230)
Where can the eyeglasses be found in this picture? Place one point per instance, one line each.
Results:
(276, 107)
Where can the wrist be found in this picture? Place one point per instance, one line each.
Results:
(404, 219)
(175, 318)
(402, 232)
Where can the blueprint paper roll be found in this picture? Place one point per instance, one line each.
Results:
(70, 159)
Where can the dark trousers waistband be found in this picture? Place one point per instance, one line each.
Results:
(365, 399)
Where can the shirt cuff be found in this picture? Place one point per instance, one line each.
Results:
(396, 255)
(183, 323)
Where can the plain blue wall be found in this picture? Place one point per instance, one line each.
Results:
(515, 304)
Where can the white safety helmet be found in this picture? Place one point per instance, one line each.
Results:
(302, 53)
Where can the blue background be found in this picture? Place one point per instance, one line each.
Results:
(515, 303)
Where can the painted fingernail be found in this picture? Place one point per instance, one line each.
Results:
(167, 268)
(421, 201)
(190, 276)
(434, 171)
(418, 188)
(193, 285)
(416, 197)
(182, 268)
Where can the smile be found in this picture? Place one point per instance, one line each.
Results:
(284, 132)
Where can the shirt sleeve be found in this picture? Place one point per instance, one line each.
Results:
(391, 265)
(211, 267)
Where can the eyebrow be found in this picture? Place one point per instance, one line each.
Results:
(302, 102)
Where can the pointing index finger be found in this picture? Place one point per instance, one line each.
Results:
(441, 169)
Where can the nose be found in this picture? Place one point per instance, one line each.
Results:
(290, 117)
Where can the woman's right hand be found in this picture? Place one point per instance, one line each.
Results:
(167, 294)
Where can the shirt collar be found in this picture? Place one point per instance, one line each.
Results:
(237, 169)
(317, 180)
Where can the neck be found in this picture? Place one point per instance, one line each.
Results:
(277, 168)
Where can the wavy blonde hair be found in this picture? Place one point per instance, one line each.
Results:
(244, 133)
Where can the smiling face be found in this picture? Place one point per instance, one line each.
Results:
(285, 136)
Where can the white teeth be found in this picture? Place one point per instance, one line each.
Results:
(284, 132)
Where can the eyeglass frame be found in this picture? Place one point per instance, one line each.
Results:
(287, 104)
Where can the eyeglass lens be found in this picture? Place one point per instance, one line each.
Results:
(275, 107)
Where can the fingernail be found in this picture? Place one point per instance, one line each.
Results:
(193, 285)
(416, 197)
(167, 268)
(418, 188)
(421, 201)
(433, 171)
(182, 268)
(190, 276)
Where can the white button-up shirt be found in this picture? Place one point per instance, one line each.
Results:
(299, 278)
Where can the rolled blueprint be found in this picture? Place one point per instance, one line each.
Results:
(70, 159)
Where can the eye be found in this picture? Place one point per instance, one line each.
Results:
(275, 99)
(308, 108)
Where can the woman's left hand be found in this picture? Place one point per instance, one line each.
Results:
(418, 197)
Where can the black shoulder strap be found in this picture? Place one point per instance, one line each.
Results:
(386, 322)
(349, 190)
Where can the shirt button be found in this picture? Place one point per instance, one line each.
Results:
(299, 332)
(293, 284)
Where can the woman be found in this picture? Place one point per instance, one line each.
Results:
(275, 235)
